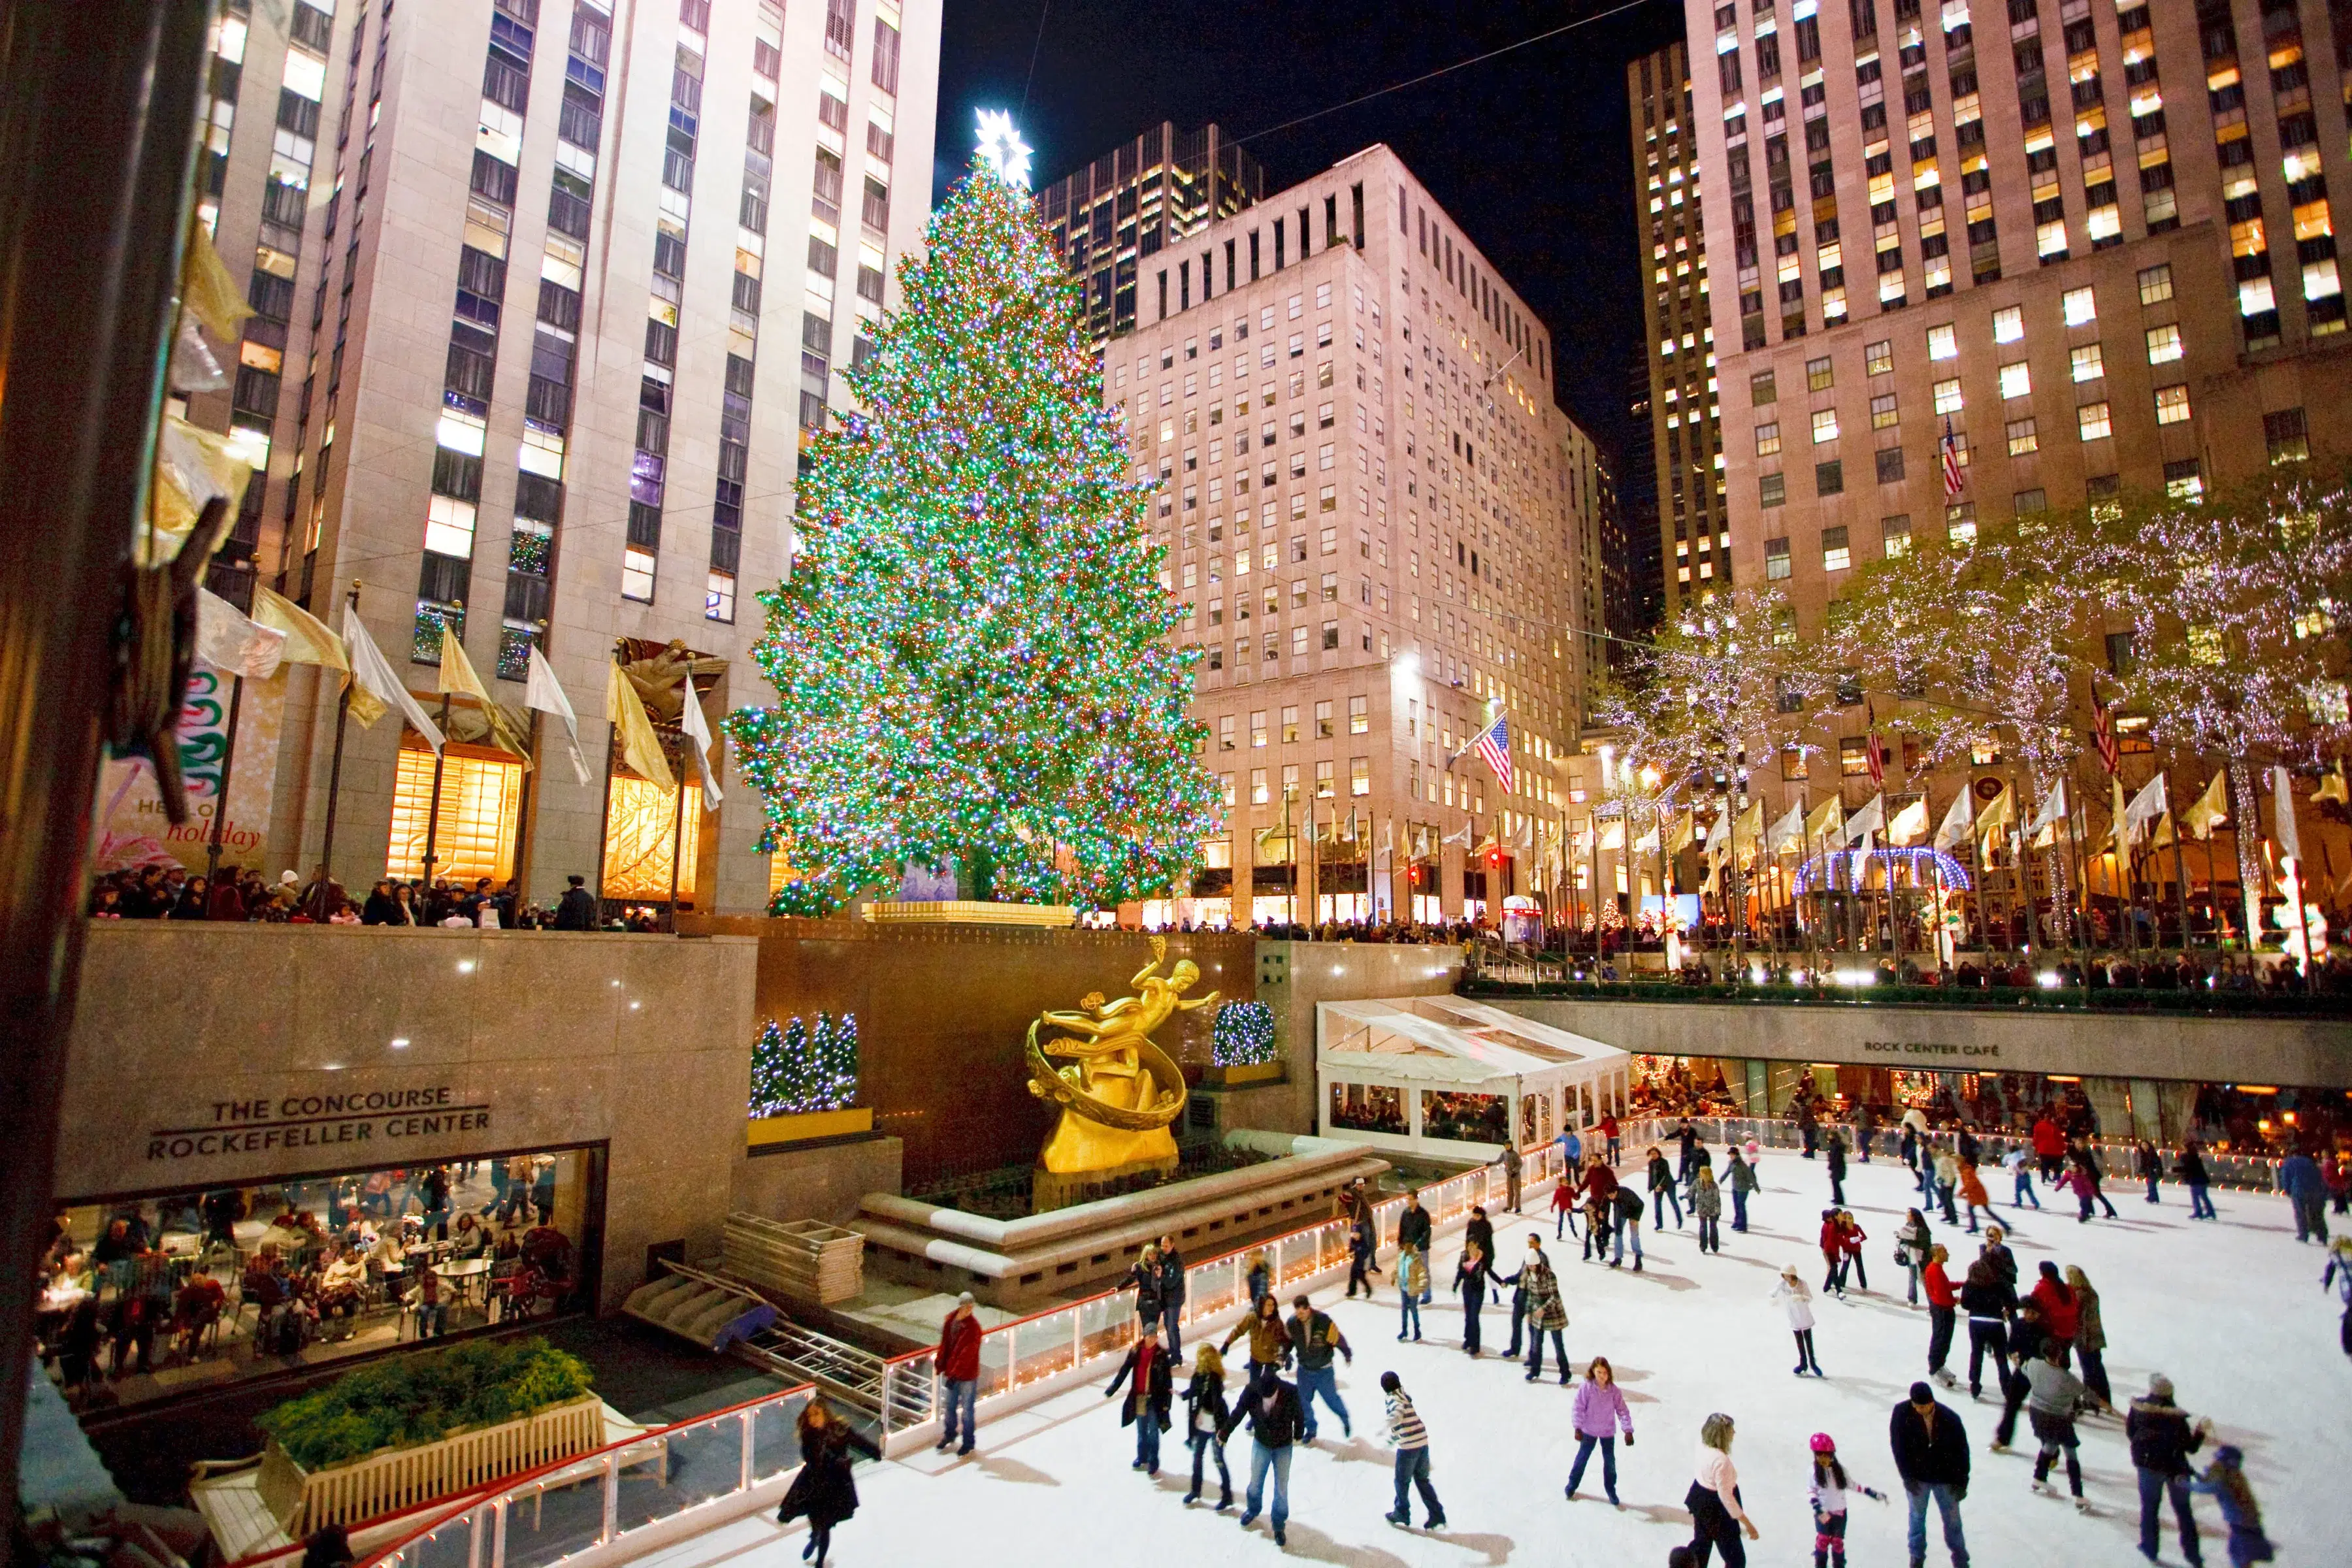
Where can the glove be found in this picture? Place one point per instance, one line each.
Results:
(1629, 1439)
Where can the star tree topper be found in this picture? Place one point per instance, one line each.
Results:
(1002, 149)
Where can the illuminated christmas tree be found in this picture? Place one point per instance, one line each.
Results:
(972, 651)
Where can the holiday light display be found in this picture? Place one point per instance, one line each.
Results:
(1242, 1036)
(973, 652)
(796, 1069)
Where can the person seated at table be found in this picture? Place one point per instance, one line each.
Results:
(428, 1298)
(341, 1283)
(67, 1281)
(196, 1309)
(115, 1243)
(264, 1282)
(389, 1252)
(471, 1240)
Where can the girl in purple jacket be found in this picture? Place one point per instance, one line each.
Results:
(1599, 1412)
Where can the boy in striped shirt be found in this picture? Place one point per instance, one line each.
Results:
(1411, 1440)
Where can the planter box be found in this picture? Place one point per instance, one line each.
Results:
(393, 1479)
(766, 1132)
(1235, 1076)
(970, 911)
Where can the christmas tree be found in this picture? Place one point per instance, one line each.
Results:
(973, 652)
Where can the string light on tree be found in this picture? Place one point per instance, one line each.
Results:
(973, 651)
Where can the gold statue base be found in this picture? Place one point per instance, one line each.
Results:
(1051, 1189)
(1080, 1146)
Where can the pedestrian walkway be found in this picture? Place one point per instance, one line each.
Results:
(2232, 1310)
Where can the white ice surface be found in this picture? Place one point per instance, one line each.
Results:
(2233, 1312)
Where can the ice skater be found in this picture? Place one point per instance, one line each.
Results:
(1832, 1244)
(1942, 1311)
(1798, 1303)
(2052, 1395)
(1600, 1413)
(1740, 1175)
(2162, 1437)
(1313, 1338)
(2339, 1273)
(1409, 1438)
(2019, 1164)
(1912, 1240)
(1851, 1236)
(1629, 1226)
(1973, 1194)
(1931, 1455)
(1149, 1380)
(1833, 1154)
(1272, 1408)
(1827, 1489)
(1472, 1278)
(1717, 1518)
(1706, 1207)
(2225, 1480)
(1663, 1190)
(1563, 1202)
(1989, 1300)
(2149, 1166)
(1205, 1415)
(2083, 1164)
(1948, 1184)
(1413, 1282)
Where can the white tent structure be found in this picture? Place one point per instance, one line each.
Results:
(1452, 1079)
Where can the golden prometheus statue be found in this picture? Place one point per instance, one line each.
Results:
(1119, 1090)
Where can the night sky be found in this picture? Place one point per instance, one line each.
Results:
(1529, 152)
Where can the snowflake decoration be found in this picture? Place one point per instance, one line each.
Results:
(1002, 149)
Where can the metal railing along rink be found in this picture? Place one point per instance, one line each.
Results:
(677, 1481)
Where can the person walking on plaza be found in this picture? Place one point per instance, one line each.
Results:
(958, 1360)
(1931, 1455)
(1628, 1225)
(1413, 1231)
(1409, 1438)
(1740, 1177)
(1472, 1278)
(1269, 1340)
(1205, 1418)
(2149, 1166)
(2084, 1160)
(2052, 1395)
(2019, 1166)
(1413, 1284)
(2299, 1179)
(2162, 1437)
(1313, 1338)
(1598, 1416)
(2225, 1481)
(576, 910)
(1912, 1241)
(2090, 1337)
(2190, 1169)
(1661, 1178)
(1942, 1311)
(1826, 1489)
(1150, 1378)
(1718, 1517)
(1988, 1301)
(1273, 1411)
(1798, 1303)
(1706, 1207)
(1833, 1154)
(824, 1493)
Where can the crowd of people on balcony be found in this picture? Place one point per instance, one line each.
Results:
(160, 892)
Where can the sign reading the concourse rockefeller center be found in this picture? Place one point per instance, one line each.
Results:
(360, 1122)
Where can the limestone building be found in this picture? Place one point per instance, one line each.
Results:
(1379, 523)
(547, 295)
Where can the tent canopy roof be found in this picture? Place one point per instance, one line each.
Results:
(1445, 1040)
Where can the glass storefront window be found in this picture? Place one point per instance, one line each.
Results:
(1464, 1118)
(162, 1294)
(641, 832)
(1368, 1108)
(481, 800)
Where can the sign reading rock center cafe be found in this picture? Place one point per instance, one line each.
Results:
(360, 1118)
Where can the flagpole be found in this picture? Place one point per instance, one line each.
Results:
(220, 801)
(335, 768)
(433, 812)
(2179, 868)
(677, 825)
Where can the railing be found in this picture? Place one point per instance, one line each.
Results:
(2251, 1172)
(631, 1487)
(1546, 982)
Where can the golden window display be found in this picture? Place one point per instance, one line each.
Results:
(481, 803)
(641, 833)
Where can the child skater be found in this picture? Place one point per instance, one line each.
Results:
(1828, 1490)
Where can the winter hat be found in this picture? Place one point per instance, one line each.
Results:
(1823, 1443)
(288, 879)
(965, 1300)
(2229, 1456)
(1922, 1394)
(2159, 1387)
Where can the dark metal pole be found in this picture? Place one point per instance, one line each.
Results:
(335, 769)
(97, 113)
(433, 812)
(220, 799)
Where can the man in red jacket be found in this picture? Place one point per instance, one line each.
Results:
(958, 1360)
(2049, 1147)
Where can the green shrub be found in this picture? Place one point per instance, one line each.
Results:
(420, 1399)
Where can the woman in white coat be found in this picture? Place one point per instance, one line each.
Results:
(1797, 1302)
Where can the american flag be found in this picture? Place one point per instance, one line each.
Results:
(1954, 480)
(1495, 746)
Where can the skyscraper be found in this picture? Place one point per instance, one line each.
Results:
(1378, 522)
(1685, 441)
(541, 383)
(1111, 216)
(2091, 243)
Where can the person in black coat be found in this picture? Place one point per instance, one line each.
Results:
(577, 909)
(1931, 1455)
(824, 1493)
(1153, 1389)
(1835, 1149)
(1473, 1277)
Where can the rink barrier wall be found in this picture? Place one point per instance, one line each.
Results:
(628, 1498)
(2241, 1173)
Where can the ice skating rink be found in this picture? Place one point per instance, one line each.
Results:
(2232, 1311)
